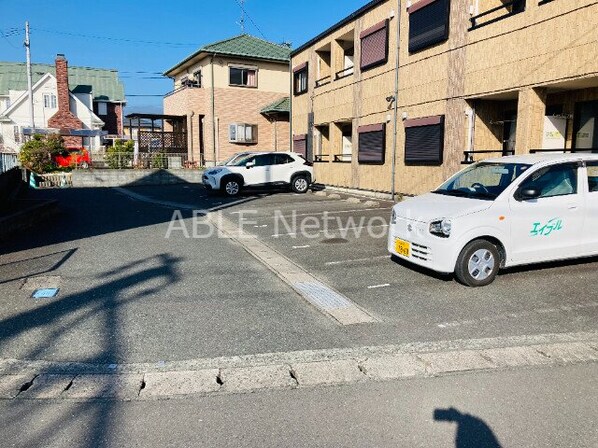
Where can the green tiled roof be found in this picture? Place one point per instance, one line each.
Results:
(280, 106)
(103, 83)
(244, 46)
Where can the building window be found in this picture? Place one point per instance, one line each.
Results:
(197, 79)
(49, 101)
(585, 125)
(424, 140)
(17, 134)
(194, 81)
(102, 109)
(428, 24)
(245, 77)
(300, 144)
(300, 79)
(242, 133)
(374, 46)
(371, 143)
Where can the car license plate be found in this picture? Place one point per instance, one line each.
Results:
(402, 247)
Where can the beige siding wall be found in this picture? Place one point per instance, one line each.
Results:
(547, 54)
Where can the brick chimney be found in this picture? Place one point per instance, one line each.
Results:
(64, 118)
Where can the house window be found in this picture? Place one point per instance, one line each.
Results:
(17, 134)
(197, 79)
(102, 109)
(191, 82)
(242, 133)
(300, 144)
(428, 24)
(371, 143)
(49, 101)
(246, 77)
(374, 46)
(424, 140)
(300, 79)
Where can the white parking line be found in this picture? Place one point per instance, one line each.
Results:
(340, 230)
(301, 247)
(384, 285)
(355, 260)
(332, 212)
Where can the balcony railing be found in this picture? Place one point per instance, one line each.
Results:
(343, 158)
(494, 15)
(345, 72)
(323, 81)
(469, 155)
(321, 157)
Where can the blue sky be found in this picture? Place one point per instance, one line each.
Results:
(107, 33)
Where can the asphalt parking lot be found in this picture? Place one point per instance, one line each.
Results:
(128, 294)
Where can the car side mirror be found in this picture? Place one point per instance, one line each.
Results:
(529, 193)
(250, 164)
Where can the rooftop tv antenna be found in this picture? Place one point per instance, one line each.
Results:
(242, 19)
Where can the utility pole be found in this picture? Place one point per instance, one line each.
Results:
(29, 75)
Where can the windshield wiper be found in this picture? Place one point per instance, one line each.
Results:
(459, 193)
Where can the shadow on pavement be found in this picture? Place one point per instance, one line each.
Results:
(472, 432)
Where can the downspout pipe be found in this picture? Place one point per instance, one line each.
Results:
(393, 176)
(213, 109)
(291, 103)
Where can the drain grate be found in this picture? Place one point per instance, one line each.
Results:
(45, 293)
(322, 296)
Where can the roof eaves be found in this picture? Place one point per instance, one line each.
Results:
(351, 17)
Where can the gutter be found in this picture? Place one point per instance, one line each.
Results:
(213, 109)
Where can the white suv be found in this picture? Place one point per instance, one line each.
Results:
(501, 213)
(264, 169)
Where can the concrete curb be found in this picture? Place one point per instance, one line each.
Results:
(290, 370)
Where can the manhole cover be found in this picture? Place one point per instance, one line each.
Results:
(45, 293)
(334, 241)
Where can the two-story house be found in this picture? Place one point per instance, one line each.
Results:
(65, 99)
(234, 94)
(399, 95)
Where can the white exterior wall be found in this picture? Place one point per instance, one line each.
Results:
(19, 116)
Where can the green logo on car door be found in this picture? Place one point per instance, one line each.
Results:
(551, 226)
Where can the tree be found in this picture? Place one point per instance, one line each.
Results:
(37, 154)
(121, 154)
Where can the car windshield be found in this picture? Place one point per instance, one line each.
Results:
(232, 160)
(241, 161)
(484, 180)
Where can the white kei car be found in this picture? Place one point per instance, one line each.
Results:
(263, 170)
(500, 213)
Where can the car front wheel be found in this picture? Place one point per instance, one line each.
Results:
(478, 263)
(300, 184)
(232, 187)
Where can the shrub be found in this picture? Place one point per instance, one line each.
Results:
(36, 154)
(121, 154)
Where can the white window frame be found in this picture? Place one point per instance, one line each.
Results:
(49, 101)
(242, 133)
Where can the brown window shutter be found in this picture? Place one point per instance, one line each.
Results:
(424, 141)
(374, 45)
(371, 143)
(300, 144)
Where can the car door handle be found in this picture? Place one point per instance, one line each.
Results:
(573, 207)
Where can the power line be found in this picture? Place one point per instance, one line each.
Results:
(8, 33)
(117, 39)
(250, 19)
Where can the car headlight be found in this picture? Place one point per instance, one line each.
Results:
(441, 227)
(393, 217)
(214, 172)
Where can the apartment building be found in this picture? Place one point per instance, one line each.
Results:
(234, 95)
(474, 79)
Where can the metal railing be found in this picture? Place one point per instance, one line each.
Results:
(323, 81)
(345, 72)
(343, 157)
(8, 161)
(516, 6)
(321, 157)
(149, 160)
(469, 155)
